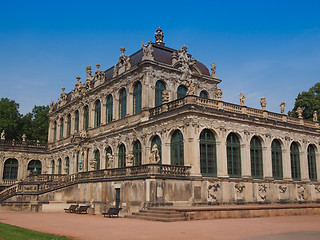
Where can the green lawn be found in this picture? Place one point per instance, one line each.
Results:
(9, 232)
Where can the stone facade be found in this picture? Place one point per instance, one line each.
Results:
(160, 107)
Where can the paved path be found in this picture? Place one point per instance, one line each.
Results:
(88, 227)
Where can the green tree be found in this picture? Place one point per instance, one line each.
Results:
(309, 102)
(40, 123)
(10, 118)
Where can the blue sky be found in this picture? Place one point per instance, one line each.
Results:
(262, 48)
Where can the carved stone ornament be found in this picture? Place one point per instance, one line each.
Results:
(191, 87)
(262, 192)
(115, 71)
(3, 137)
(63, 96)
(99, 76)
(154, 156)
(239, 187)
(129, 160)
(93, 163)
(89, 75)
(165, 96)
(213, 70)
(242, 97)
(51, 106)
(24, 138)
(159, 36)
(147, 50)
(219, 93)
(212, 192)
(110, 160)
(315, 116)
(301, 189)
(263, 103)
(282, 105)
(123, 62)
(299, 111)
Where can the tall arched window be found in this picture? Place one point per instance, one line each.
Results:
(59, 166)
(97, 158)
(204, 94)
(276, 153)
(160, 87)
(122, 156)
(176, 147)
(109, 108)
(312, 166)
(68, 125)
(67, 165)
(136, 151)
(137, 92)
(10, 170)
(181, 92)
(85, 117)
(55, 131)
(295, 161)
(156, 141)
(34, 166)
(52, 167)
(256, 158)
(76, 121)
(233, 155)
(108, 153)
(61, 128)
(208, 158)
(97, 113)
(122, 103)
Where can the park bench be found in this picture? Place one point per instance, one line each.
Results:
(112, 212)
(71, 209)
(82, 210)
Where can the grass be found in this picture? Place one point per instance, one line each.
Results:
(9, 232)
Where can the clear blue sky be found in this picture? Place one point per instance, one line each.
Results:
(262, 48)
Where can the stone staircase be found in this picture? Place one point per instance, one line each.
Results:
(158, 214)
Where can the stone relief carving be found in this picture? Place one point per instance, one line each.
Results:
(282, 105)
(212, 192)
(262, 192)
(299, 111)
(301, 190)
(239, 196)
(242, 97)
(183, 59)
(147, 50)
(129, 159)
(154, 156)
(282, 192)
(263, 103)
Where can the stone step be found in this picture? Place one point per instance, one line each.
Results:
(160, 215)
(155, 211)
(160, 219)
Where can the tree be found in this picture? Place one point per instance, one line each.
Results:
(10, 118)
(309, 102)
(40, 123)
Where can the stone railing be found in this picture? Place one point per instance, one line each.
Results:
(229, 107)
(22, 144)
(8, 182)
(43, 183)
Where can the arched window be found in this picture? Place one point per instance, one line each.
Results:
(177, 151)
(208, 158)
(109, 108)
(97, 113)
(312, 166)
(55, 131)
(97, 158)
(122, 156)
(59, 166)
(61, 128)
(10, 170)
(69, 125)
(122, 103)
(204, 94)
(108, 153)
(156, 141)
(137, 92)
(52, 167)
(160, 87)
(76, 121)
(34, 166)
(233, 155)
(276, 153)
(256, 158)
(181, 92)
(295, 161)
(85, 117)
(136, 151)
(67, 165)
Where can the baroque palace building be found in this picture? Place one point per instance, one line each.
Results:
(154, 130)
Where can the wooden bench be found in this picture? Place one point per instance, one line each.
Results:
(82, 210)
(71, 209)
(112, 212)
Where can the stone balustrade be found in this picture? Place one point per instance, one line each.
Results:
(19, 144)
(229, 107)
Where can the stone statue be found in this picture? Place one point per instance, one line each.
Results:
(165, 96)
(219, 93)
(63, 96)
(99, 75)
(89, 72)
(129, 160)
(115, 71)
(24, 138)
(3, 135)
(213, 70)
(124, 61)
(154, 156)
(159, 36)
(110, 160)
(299, 111)
(315, 116)
(282, 105)
(93, 163)
(191, 87)
(147, 51)
(51, 106)
(242, 97)
(263, 103)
